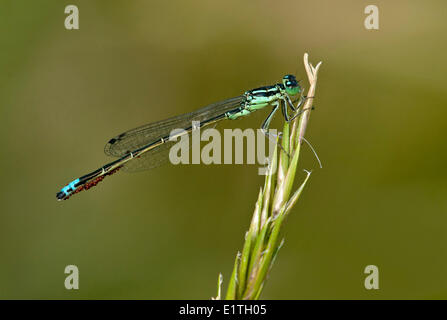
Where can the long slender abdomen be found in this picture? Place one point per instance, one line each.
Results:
(78, 185)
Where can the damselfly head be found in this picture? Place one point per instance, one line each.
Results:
(291, 85)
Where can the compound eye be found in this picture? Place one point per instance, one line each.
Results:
(292, 83)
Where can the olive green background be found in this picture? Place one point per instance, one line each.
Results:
(379, 128)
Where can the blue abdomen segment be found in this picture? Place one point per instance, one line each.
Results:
(67, 190)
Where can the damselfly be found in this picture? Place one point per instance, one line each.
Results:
(148, 146)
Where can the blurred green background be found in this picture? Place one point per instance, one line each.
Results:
(379, 128)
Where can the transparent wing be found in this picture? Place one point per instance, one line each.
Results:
(150, 159)
(136, 138)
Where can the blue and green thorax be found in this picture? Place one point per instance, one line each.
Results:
(262, 97)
